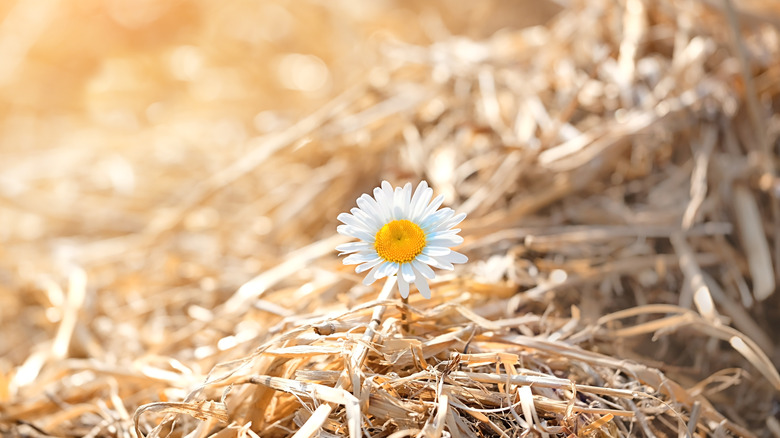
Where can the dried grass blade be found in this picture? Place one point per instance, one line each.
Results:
(202, 410)
(702, 297)
(754, 243)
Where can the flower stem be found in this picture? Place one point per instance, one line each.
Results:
(405, 316)
(360, 352)
(318, 417)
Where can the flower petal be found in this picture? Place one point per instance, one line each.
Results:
(435, 251)
(453, 257)
(403, 287)
(350, 247)
(436, 262)
(371, 222)
(398, 210)
(435, 204)
(421, 188)
(449, 223)
(420, 199)
(369, 205)
(353, 221)
(445, 241)
(422, 286)
(384, 202)
(407, 272)
(387, 269)
(396, 207)
(388, 189)
(349, 230)
(371, 276)
(408, 193)
(423, 269)
(360, 257)
(389, 192)
(432, 221)
(437, 234)
(405, 201)
(368, 265)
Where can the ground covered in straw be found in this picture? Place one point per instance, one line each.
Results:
(171, 173)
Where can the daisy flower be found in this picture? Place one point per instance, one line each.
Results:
(401, 234)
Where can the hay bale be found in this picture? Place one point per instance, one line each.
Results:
(169, 216)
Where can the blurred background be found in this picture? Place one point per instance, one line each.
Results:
(155, 156)
(113, 110)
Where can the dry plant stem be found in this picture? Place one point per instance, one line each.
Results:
(314, 423)
(759, 257)
(759, 125)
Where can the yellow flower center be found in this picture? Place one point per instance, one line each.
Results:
(399, 241)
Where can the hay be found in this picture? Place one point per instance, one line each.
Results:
(171, 175)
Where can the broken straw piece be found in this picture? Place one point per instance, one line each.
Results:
(751, 232)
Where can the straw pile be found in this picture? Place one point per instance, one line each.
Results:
(171, 176)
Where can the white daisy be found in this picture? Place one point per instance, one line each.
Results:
(401, 234)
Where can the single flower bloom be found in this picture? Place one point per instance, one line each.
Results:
(401, 234)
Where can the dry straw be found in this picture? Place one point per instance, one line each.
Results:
(617, 164)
